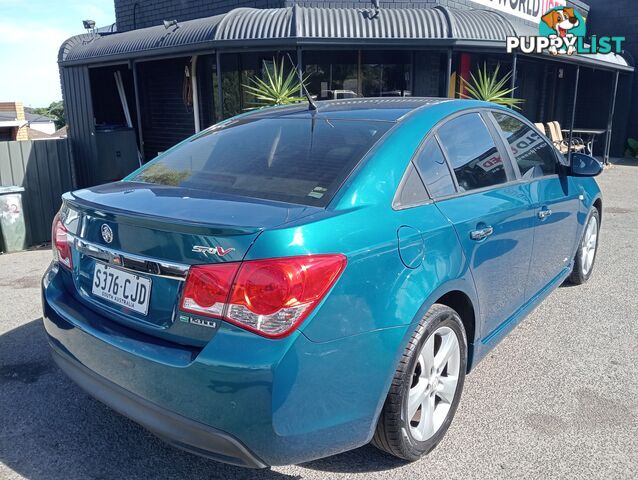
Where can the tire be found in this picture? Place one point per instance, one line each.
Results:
(583, 267)
(411, 439)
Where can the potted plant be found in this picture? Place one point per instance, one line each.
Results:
(490, 88)
(276, 88)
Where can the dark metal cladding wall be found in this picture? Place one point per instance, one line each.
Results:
(166, 120)
(78, 110)
(620, 19)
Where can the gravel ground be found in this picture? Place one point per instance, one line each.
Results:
(556, 399)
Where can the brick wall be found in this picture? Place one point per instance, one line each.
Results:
(16, 110)
(131, 14)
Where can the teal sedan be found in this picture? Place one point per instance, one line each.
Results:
(302, 280)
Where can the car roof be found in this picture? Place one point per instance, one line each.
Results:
(389, 109)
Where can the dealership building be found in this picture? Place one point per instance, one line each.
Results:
(169, 69)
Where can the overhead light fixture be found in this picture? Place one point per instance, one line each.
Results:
(170, 23)
(88, 24)
(372, 14)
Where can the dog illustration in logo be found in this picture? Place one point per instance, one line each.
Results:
(562, 20)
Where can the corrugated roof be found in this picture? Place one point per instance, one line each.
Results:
(288, 27)
(255, 24)
(350, 23)
(188, 34)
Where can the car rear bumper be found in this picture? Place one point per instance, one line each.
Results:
(175, 429)
(241, 399)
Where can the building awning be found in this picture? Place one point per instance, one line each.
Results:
(299, 26)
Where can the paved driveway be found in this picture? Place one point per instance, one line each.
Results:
(557, 398)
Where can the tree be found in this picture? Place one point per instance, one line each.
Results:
(55, 110)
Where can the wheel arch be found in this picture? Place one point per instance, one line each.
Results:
(598, 203)
(460, 296)
(461, 303)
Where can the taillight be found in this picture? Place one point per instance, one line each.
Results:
(61, 243)
(269, 297)
(207, 288)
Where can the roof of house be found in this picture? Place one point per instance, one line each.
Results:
(37, 118)
(244, 27)
(37, 134)
(61, 132)
(7, 116)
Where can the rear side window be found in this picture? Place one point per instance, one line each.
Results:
(534, 156)
(472, 152)
(413, 192)
(434, 170)
(291, 160)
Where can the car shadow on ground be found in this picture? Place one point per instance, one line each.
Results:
(51, 429)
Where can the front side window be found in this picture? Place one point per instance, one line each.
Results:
(434, 170)
(472, 153)
(534, 156)
(291, 160)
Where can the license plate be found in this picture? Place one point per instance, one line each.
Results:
(122, 288)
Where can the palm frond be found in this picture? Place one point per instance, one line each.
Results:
(491, 88)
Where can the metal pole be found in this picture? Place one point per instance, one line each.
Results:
(219, 85)
(136, 90)
(449, 73)
(571, 126)
(195, 90)
(300, 72)
(610, 123)
(514, 74)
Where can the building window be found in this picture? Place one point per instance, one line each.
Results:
(238, 70)
(208, 91)
(332, 74)
(385, 74)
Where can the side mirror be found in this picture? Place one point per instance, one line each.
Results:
(585, 166)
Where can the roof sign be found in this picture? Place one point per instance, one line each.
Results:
(531, 10)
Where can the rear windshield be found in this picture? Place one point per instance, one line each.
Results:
(291, 160)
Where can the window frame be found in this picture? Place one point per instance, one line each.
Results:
(502, 145)
(433, 134)
(499, 131)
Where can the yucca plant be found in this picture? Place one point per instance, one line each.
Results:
(490, 88)
(632, 149)
(277, 88)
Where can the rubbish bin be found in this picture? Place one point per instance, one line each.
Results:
(12, 219)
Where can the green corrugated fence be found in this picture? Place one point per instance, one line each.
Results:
(44, 169)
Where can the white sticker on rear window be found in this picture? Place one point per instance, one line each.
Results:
(318, 192)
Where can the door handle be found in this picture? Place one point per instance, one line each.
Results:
(481, 234)
(543, 214)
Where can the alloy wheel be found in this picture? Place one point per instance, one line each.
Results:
(434, 382)
(589, 245)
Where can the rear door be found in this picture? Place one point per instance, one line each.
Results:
(493, 216)
(555, 200)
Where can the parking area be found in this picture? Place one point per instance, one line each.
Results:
(556, 399)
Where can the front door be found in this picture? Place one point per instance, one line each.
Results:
(493, 216)
(555, 199)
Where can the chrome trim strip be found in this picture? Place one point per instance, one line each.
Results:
(127, 261)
